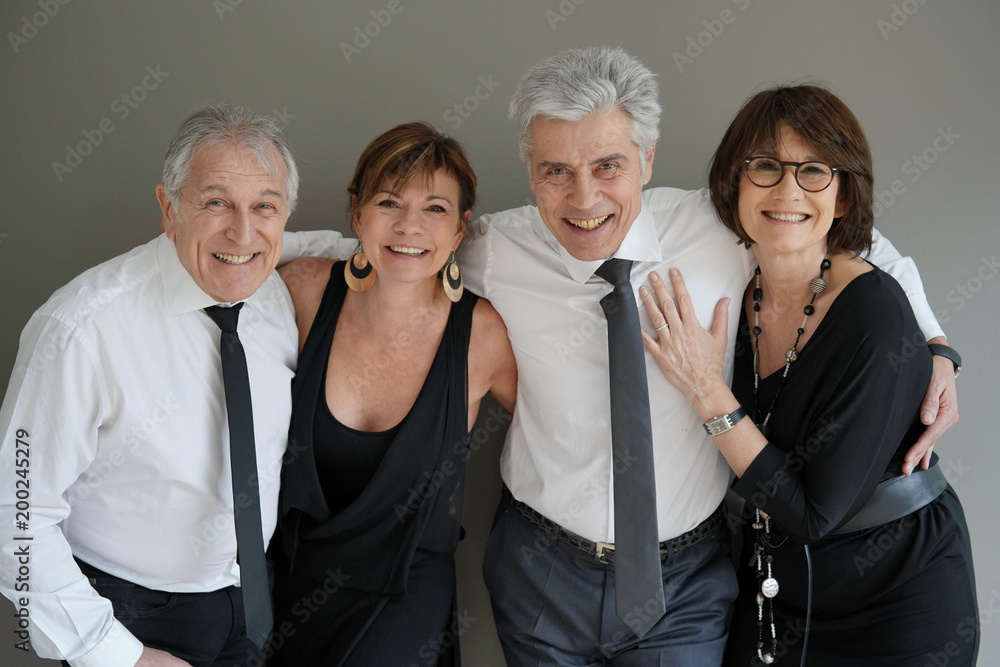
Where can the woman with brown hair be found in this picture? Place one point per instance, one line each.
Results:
(850, 563)
(395, 358)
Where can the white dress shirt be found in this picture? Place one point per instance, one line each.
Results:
(557, 457)
(118, 383)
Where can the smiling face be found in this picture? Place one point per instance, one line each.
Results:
(785, 218)
(228, 222)
(587, 181)
(408, 236)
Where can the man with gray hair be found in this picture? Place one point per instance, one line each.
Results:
(610, 545)
(149, 440)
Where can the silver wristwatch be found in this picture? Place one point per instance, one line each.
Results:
(722, 424)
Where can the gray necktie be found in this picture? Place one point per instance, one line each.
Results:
(254, 582)
(638, 578)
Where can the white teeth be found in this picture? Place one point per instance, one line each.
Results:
(233, 259)
(404, 250)
(587, 224)
(786, 217)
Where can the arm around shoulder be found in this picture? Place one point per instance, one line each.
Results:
(885, 256)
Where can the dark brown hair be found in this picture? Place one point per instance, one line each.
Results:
(411, 149)
(825, 123)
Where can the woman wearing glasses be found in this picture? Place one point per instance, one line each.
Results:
(844, 561)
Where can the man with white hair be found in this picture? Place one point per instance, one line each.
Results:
(581, 448)
(610, 544)
(144, 427)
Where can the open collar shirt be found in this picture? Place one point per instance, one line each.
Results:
(117, 404)
(558, 457)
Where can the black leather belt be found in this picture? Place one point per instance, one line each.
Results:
(895, 498)
(605, 551)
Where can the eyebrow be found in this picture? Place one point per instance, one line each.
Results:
(215, 187)
(429, 197)
(614, 157)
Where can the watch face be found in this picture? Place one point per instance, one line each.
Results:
(717, 426)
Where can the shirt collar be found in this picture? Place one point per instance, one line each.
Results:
(180, 292)
(640, 244)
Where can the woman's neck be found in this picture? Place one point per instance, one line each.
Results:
(392, 307)
(785, 278)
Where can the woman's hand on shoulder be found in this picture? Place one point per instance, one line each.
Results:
(491, 359)
(306, 280)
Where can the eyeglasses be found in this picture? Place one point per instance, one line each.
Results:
(766, 172)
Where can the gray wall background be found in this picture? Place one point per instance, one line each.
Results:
(921, 76)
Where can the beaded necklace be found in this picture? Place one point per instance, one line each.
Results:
(766, 583)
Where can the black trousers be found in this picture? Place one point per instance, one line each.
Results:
(206, 629)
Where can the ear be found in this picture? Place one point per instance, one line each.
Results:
(648, 174)
(355, 216)
(460, 234)
(168, 223)
(840, 208)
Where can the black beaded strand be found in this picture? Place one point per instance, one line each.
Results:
(767, 585)
(817, 286)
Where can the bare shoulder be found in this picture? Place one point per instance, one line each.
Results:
(486, 319)
(305, 273)
(491, 359)
(306, 280)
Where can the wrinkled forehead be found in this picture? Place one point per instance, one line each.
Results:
(237, 161)
(589, 137)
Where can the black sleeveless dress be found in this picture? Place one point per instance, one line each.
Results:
(371, 580)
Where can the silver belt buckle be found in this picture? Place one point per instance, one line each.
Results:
(601, 548)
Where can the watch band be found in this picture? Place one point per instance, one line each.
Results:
(720, 425)
(948, 353)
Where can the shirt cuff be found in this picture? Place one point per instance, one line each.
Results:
(119, 648)
(757, 484)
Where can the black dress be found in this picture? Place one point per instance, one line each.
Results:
(902, 593)
(370, 579)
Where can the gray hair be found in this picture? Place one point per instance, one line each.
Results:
(578, 82)
(228, 123)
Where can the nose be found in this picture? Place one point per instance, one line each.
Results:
(240, 229)
(409, 221)
(788, 187)
(584, 192)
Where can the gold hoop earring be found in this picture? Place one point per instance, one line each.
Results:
(451, 278)
(359, 274)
